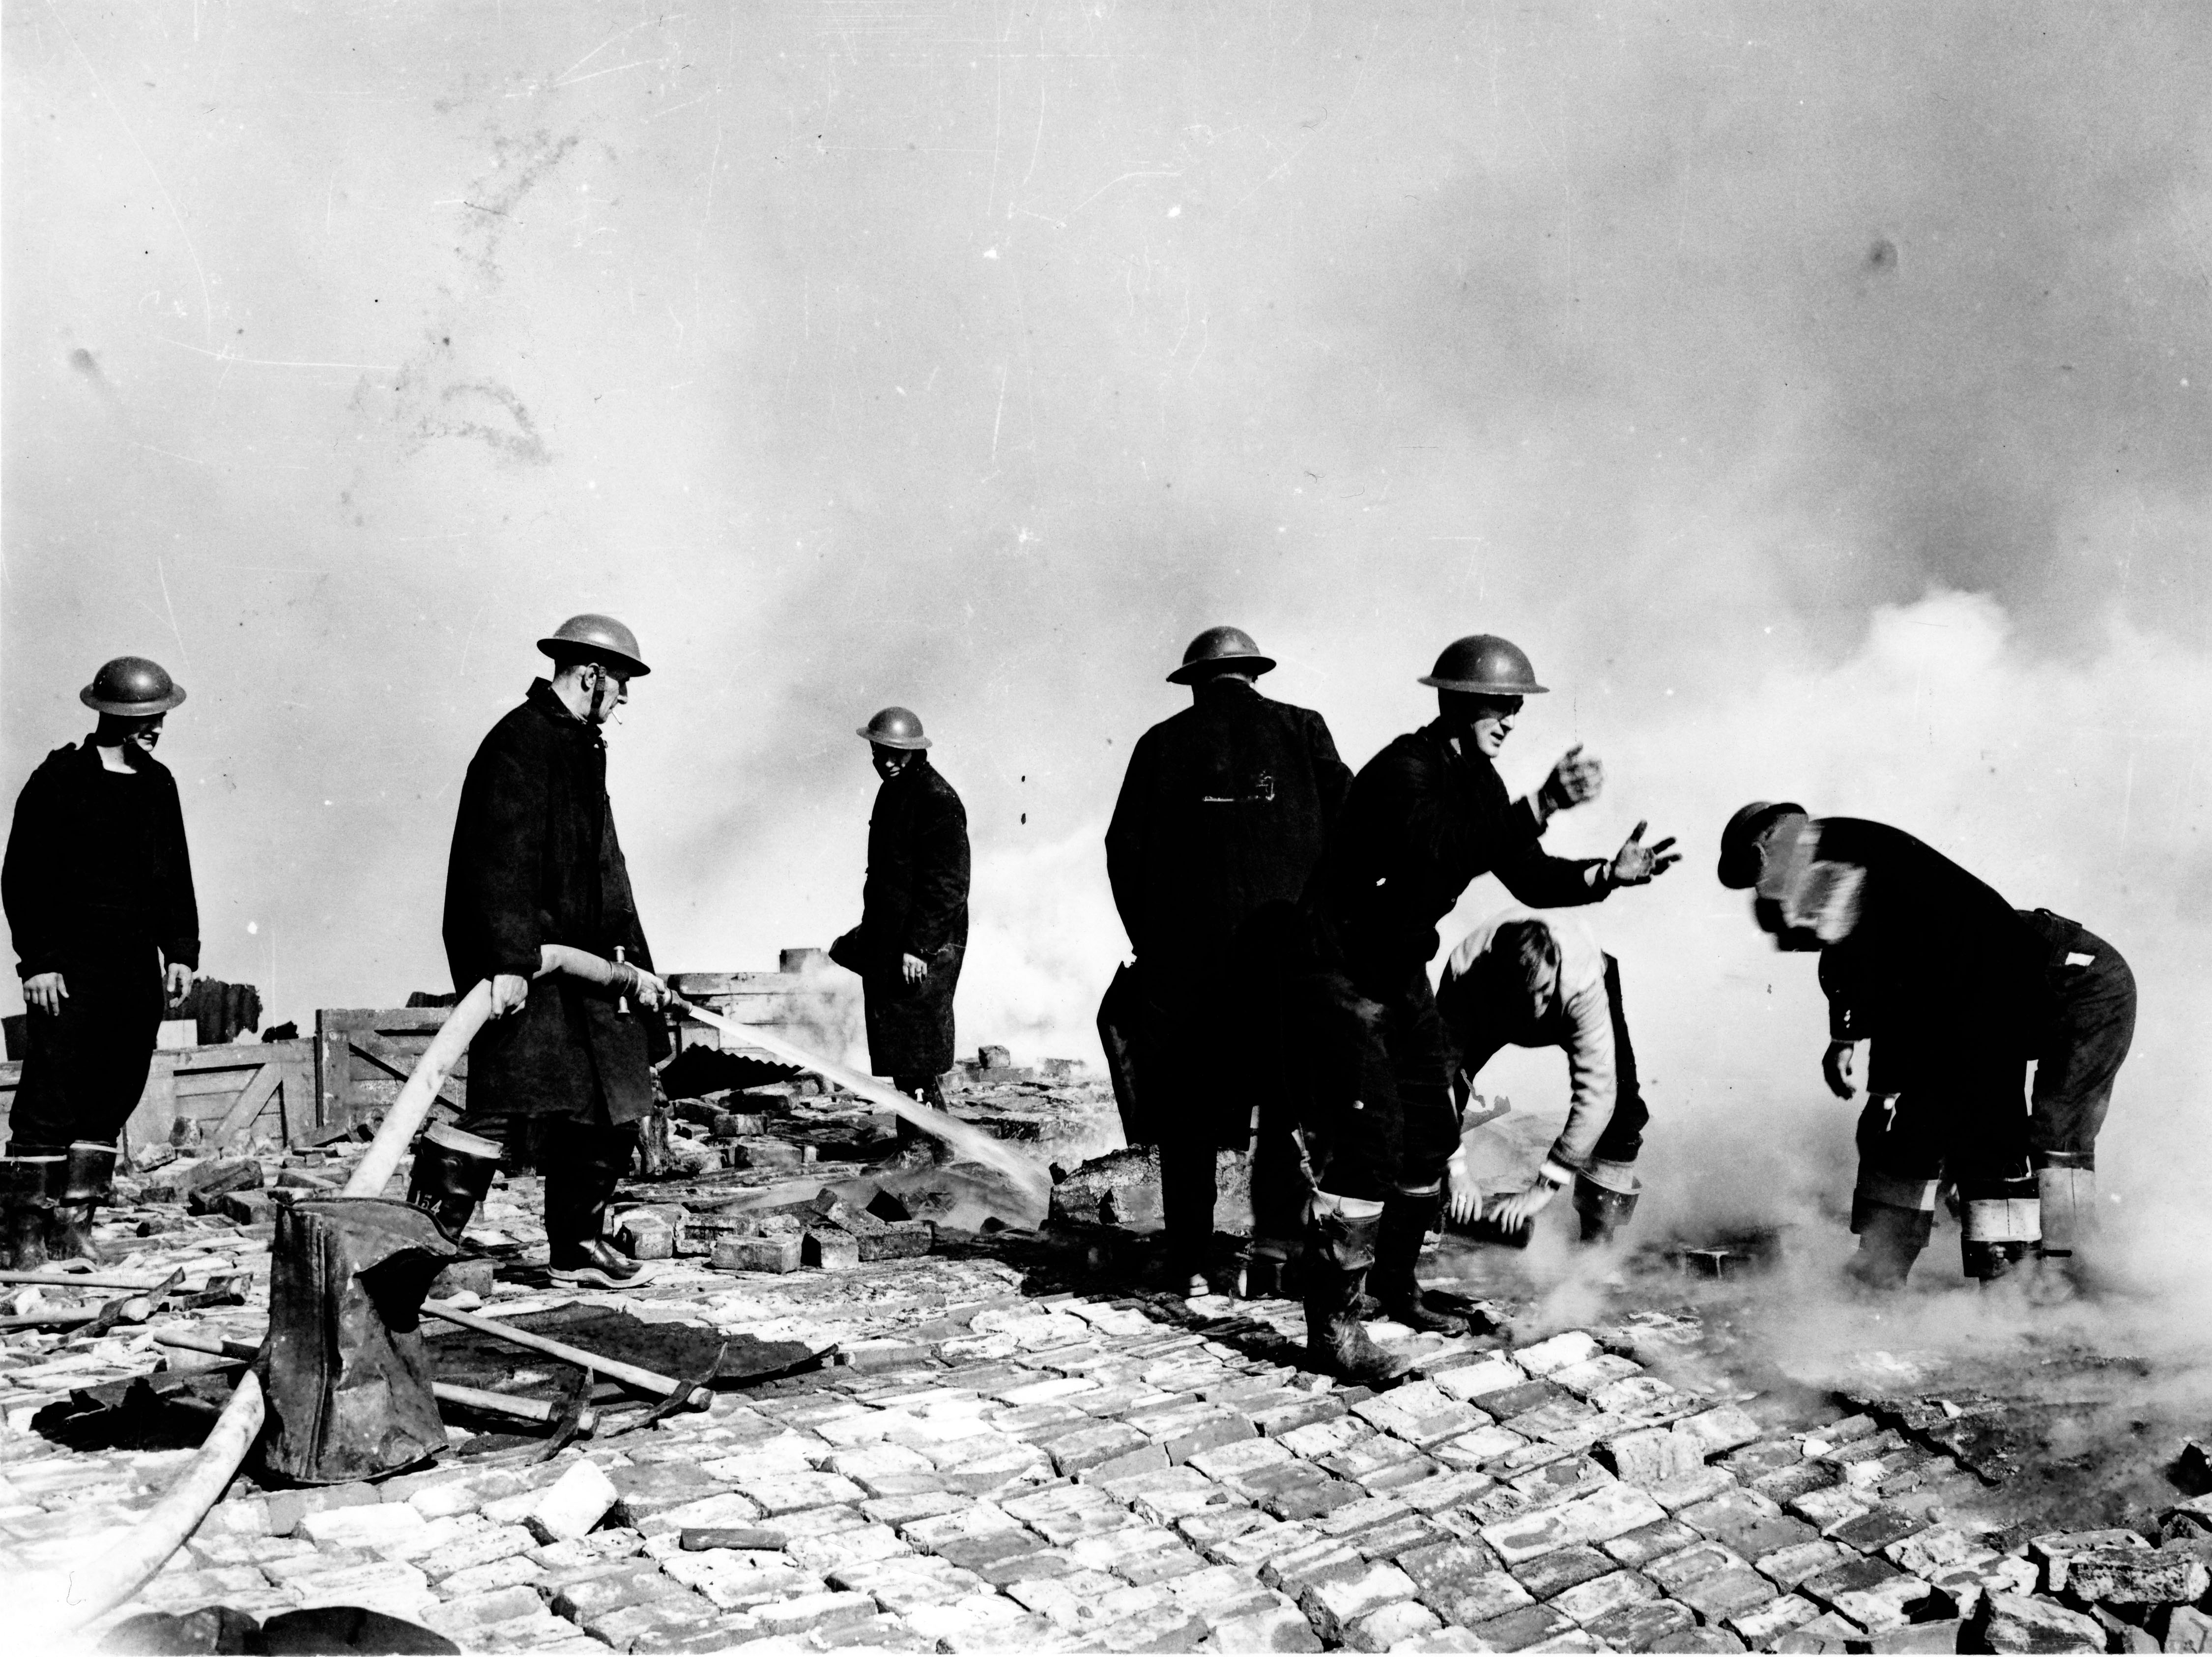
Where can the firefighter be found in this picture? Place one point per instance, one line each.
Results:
(1947, 982)
(914, 911)
(1525, 982)
(1424, 819)
(559, 1077)
(1221, 819)
(98, 889)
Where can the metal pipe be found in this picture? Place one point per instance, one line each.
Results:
(613, 1368)
(128, 1566)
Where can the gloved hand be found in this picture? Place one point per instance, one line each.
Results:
(45, 991)
(913, 968)
(178, 980)
(1518, 1209)
(1465, 1200)
(1573, 781)
(1637, 864)
(509, 991)
(1837, 1067)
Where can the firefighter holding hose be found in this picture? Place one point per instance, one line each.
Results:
(98, 885)
(560, 1075)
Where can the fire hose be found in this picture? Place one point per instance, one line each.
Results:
(119, 1573)
(123, 1570)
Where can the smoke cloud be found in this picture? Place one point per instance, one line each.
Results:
(1818, 396)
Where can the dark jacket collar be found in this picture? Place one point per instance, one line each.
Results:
(551, 707)
(919, 767)
(1223, 687)
(141, 762)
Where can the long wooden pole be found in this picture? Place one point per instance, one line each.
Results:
(628, 1375)
(540, 1411)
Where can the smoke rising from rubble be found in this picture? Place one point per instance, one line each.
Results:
(1819, 398)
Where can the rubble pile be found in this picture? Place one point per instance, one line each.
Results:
(990, 1444)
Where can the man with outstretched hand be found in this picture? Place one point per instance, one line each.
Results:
(560, 1075)
(1425, 818)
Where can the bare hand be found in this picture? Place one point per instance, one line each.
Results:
(509, 991)
(1518, 1209)
(1574, 780)
(179, 980)
(1637, 864)
(652, 992)
(1837, 1067)
(1466, 1199)
(914, 967)
(45, 991)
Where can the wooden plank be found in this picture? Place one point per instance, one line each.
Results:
(252, 1099)
(394, 1057)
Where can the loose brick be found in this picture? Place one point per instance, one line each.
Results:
(1640, 1627)
(1281, 1629)
(1517, 1630)
(1550, 1574)
(1334, 1602)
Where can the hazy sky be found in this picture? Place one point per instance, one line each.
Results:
(1818, 394)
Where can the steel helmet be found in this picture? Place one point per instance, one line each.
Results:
(894, 727)
(132, 687)
(598, 638)
(1217, 648)
(1483, 664)
(1740, 859)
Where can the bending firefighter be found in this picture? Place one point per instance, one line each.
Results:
(1425, 818)
(1523, 982)
(98, 888)
(1955, 991)
(561, 1076)
(914, 912)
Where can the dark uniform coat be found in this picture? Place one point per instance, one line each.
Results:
(1938, 972)
(914, 902)
(97, 878)
(1423, 821)
(535, 860)
(1222, 814)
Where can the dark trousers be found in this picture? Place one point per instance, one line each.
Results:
(1623, 1139)
(2074, 1076)
(1969, 1126)
(1378, 1115)
(85, 1067)
(1198, 1051)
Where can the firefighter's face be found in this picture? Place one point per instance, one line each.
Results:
(889, 762)
(148, 732)
(1490, 722)
(607, 690)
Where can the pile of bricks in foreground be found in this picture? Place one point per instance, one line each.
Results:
(1072, 1475)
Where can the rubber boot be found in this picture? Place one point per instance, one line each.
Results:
(1339, 1248)
(451, 1173)
(578, 1188)
(2001, 1226)
(1890, 1240)
(1405, 1227)
(25, 1211)
(2067, 1185)
(1187, 1199)
(1604, 1210)
(87, 1180)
